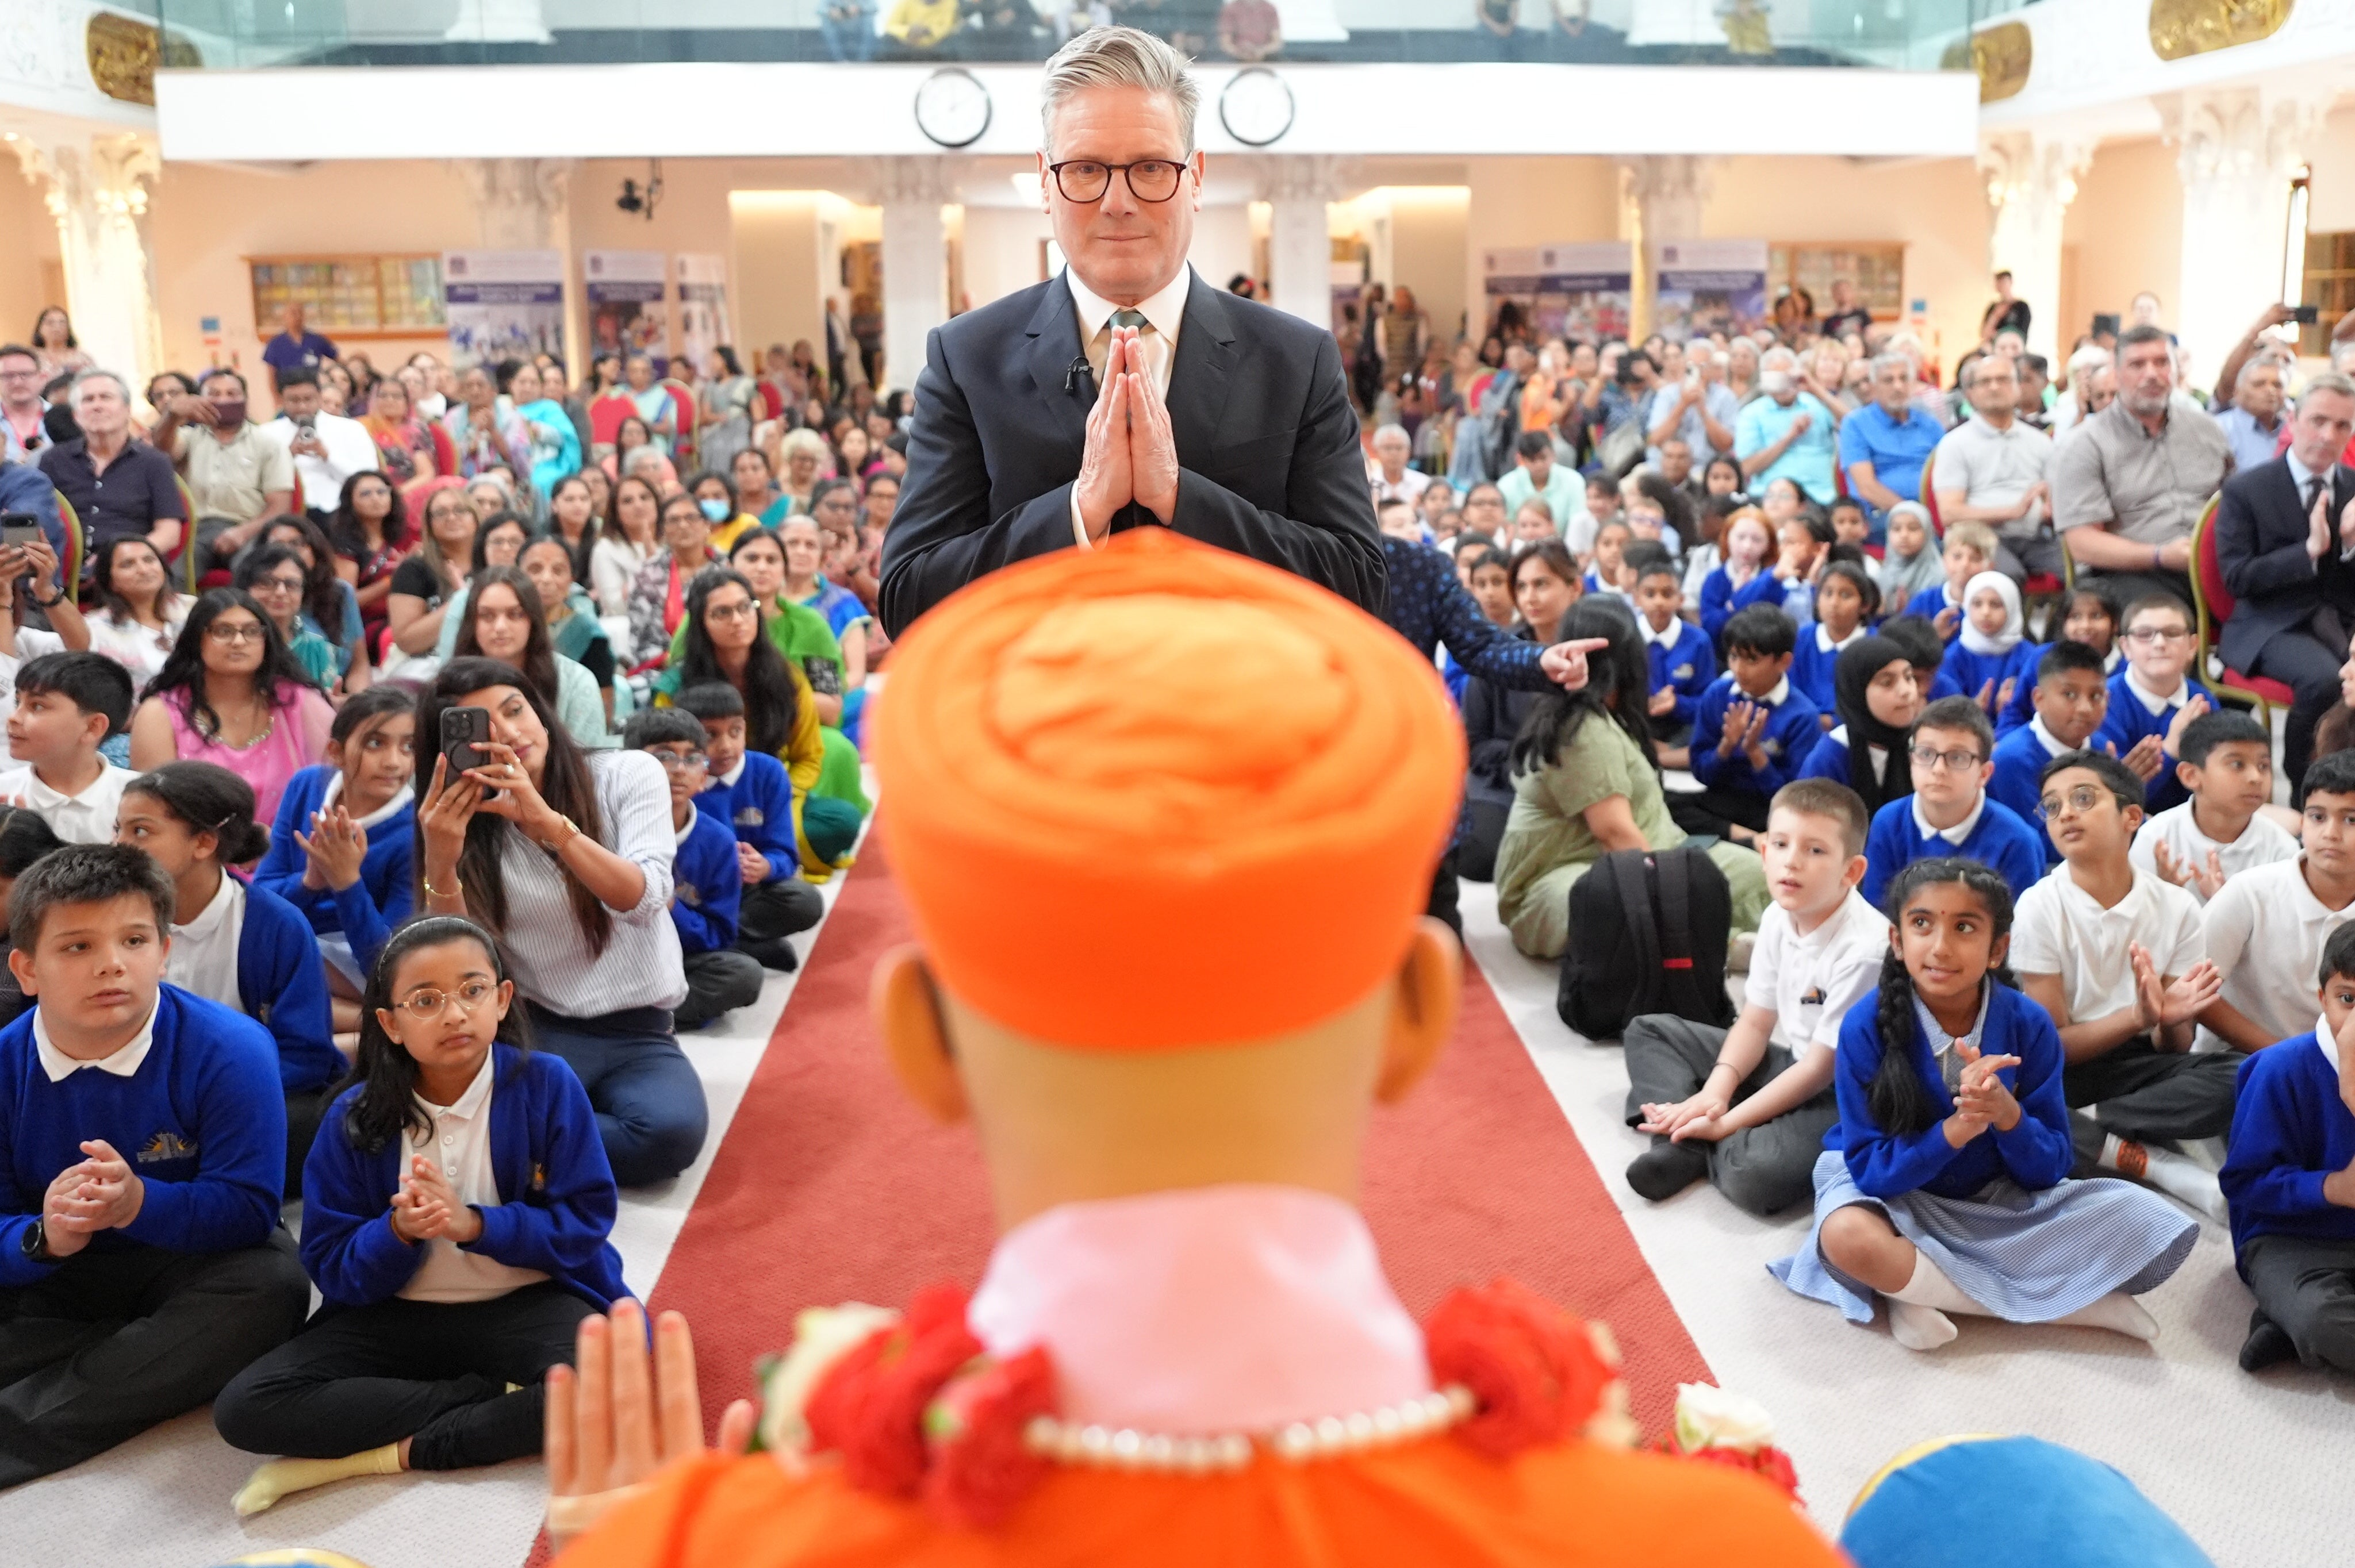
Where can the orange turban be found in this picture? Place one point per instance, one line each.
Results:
(1160, 795)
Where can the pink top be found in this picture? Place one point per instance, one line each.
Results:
(268, 763)
(1204, 1310)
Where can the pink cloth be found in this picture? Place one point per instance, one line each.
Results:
(269, 762)
(1211, 1309)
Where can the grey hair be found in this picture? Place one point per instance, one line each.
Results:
(2092, 356)
(1397, 430)
(2002, 362)
(2329, 381)
(1882, 362)
(1776, 356)
(1117, 56)
(121, 386)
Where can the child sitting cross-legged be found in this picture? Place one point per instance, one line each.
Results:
(67, 704)
(1949, 812)
(1944, 1188)
(2117, 958)
(2290, 1179)
(753, 795)
(1682, 666)
(2266, 927)
(456, 1219)
(343, 849)
(710, 880)
(1747, 1108)
(1992, 656)
(2070, 694)
(2153, 697)
(1968, 551)
(2227, 763)
(1847, 600)
(237, 945)
(1753, 730)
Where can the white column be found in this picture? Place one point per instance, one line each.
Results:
(1663, 196)
(96, 190)
(2030, 180)
(912, 192)
(1298, 190)
(2236, 149)
(499, 22)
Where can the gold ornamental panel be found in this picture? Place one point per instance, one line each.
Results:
(122, 51)
(2001, 55)
(2181, 28)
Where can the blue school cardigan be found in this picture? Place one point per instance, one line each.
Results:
(202, 1121)
(1970, 671)
(1811, 667)
(2019, 759)
(709, 887)
(1792, 732)
(1931, 602)
(2023, 696)
(366, 911)
(1719, 599)
(2290, 1129)
(2035, 1154)
(759, 809)
(2129, 721)
(1687, 668)
(283, 982)
(556, 1197)
(1999, 839)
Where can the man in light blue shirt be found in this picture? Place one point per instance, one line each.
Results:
(1693, 402)
(1883, 444)
(1536, 476)
(1785, 432)
(2253, 424)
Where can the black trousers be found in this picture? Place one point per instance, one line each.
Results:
(717, 982)
(2308, 1288)
(1712, 813)
(357, 1378)
(780, 908)
(1442, 906)
(305, 1110)
(2308, 666)
(2139, 1092)
(112, 1343)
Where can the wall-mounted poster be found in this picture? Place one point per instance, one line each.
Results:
(702, 307)
(1577, 292)
(504, 304)
(625, 290)
(1703, 286)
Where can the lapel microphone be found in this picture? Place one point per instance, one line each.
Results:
(1078, 367)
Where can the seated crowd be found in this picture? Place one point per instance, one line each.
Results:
(321, 939)
(2016, 914)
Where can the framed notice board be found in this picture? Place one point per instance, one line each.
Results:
(351, 296)
(1877, 269)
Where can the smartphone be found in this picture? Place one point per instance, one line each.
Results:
(18, 529)
(464, 731)
(2105, 322)
(2306, 315)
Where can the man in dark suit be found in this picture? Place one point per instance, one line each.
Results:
(2285, 543)
(1127, 391)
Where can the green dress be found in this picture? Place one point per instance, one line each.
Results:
(1547, 845)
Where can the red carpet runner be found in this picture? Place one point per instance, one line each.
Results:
(831, 1187)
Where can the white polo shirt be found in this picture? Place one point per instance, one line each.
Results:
(459, 1137)
(2262, 842)
(1811, 981)
(203, 958)
(84, 818)
(2266, 932)
(2059, 929)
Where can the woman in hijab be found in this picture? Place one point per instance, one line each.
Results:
(1878, 701)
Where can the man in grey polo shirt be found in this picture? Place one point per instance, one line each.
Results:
(1990, 469)
(2129, 481)
(240, 477)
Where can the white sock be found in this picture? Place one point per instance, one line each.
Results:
(2208, 1153)
(283, 1478)
(1919, 1327)
(2119, 1313)
(2179, 1178)
(1917, 1314)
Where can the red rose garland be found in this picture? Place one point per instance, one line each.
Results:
(871, 1405)
(981, 1464)
(1531, 1366)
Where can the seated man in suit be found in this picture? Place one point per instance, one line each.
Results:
(2285, 543)
(1126, 391)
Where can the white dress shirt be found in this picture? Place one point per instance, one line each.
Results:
(122, 1062)
(458, 1139)
(1165, 314)
(84, 818)
(203, 959)
(350, 450)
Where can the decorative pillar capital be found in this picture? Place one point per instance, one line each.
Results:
(517, 200)
(2024, 168)
(1302, 177)
(96, 190)
(1670, 177)
(2261, 133)
(923, 180)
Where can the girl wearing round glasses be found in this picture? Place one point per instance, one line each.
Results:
(231, 693)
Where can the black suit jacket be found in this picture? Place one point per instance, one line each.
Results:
(1269, 464)
(2261, 532)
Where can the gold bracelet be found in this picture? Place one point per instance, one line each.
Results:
(457, 889)
(560, 847)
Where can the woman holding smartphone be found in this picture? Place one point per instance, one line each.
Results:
(567, 854)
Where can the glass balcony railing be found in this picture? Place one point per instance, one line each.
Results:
(1919, 34)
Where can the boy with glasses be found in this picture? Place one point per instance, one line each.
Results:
(709, 888)
(1949, 812)
(2117, 957)
(2152, 694)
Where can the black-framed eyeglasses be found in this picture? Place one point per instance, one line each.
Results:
(1954, 761)
(1149, 179)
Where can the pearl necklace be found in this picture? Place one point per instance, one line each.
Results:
(1103, 1447)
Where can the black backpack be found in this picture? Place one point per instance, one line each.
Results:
(1647, 934)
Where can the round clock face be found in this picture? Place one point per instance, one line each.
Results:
(953, 108)
(1255, 107)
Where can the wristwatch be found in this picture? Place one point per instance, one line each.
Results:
(35, 1243)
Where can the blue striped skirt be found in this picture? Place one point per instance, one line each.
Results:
(2026, 1257)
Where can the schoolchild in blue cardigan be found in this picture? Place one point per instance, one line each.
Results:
(709, 879)
(1744, 580)
(142, 1141)
(1949, 812)
(1677, 651)
(1846, 601)
(1753, 730)
(750, 792)
(1992, 658)
(1945, 1186)
(2071, 699)
(457, 1219)
(2153, 696)
(342, 850)
(241, 946)
(1967, 550)
(2289, 1179)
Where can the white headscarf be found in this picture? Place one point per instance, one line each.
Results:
(2014, 622)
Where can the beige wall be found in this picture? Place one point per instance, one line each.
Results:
(31, 238)
(2124, 234)
(1429, 236)
(2332, 208)
(778, 273)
